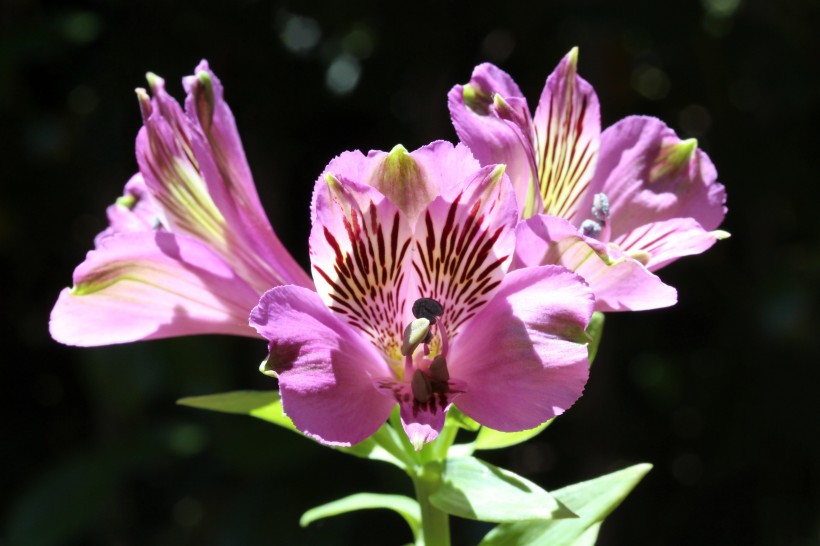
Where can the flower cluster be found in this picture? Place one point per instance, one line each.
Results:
(453, 275)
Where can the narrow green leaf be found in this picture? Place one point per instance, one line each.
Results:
(493, 439)
(404, 506)
(592, 500)
(473, 489)
(265, 405)
(595, 331)
(370, 449)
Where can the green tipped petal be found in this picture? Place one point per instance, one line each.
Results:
(203, 93)
(476, 100)
(145, 102)
(403, 180)
(154, 82)
(673, 158)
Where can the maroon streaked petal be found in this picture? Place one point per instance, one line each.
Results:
(359, 248)
(567, 127)
(463, 246)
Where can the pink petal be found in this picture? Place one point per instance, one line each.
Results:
(496, 136)
(359, 249)
(463, 245)
(144, 285)
(567, 126)
(650, 175)
(199, 178)
(410, 180)
(221, 158)
(523, 358)
(326, 370)
(664, 242)
(620, 283)
(134, 211)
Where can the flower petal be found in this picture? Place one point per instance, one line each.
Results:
(650, 175)
(463, 245)
(326, 370)
(567, 127)
(661, 243)
(147, 285)
(491, 117)
(410, 180)
(523, 358)
(221, 159)
(359, 248)
(184, 176)
(620, 282)
(133, 212)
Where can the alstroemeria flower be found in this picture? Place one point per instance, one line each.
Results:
(414, 305)
(189, 249)
(647, 196)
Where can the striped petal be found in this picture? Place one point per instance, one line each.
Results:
(661, 243)
(145, 285)
(359, 247)
(567, 128)
(201, 189)
(224, 168)
(463, 245)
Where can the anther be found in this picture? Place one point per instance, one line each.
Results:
(591, 228)
(427, 308)
(600, 207)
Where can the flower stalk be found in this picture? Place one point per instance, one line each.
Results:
(435, 523)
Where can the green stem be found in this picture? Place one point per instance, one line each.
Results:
(435, 524)
(387, 438)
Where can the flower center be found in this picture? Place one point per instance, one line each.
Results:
(428, 376)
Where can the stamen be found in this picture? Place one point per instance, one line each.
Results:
(438, 369)
(422, 389)
(591, 228)
(600, 207)
(427, 308)
(600, 210)
(416, 332)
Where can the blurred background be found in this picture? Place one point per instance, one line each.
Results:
(718, 392)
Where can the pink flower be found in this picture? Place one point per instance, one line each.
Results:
(628, 201)
(415, 305)
(189, 249)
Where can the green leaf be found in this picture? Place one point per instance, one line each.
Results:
(493, 439)
(592, 500)
(473, 489)
(370, 449)
(404, 506)
(595, 330)
(265, 405)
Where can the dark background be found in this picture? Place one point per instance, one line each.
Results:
(718, 392)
